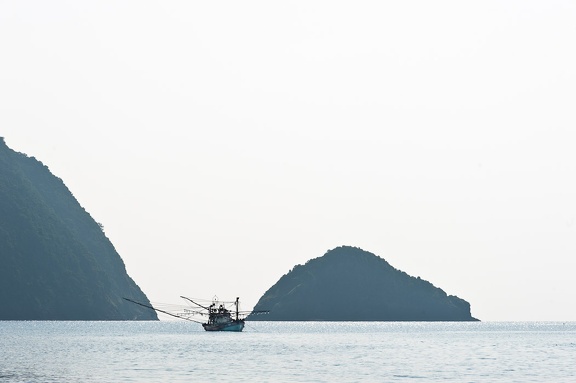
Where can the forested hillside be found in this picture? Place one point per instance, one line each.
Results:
(55, 261)
(350, 284)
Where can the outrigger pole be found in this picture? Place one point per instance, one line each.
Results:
(197, 304)
(162, 311)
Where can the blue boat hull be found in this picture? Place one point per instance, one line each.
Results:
(236, 326)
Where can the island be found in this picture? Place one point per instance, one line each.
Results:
(56, 263)
(350, 284)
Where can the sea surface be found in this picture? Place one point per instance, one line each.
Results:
(169, 351)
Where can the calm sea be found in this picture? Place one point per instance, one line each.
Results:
(288, 352)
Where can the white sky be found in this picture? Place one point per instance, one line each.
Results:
(222, 143)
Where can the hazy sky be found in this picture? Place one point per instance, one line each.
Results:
(222, 143)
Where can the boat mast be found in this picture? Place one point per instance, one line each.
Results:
(237, 298)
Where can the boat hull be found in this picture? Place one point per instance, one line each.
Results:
(235, 326)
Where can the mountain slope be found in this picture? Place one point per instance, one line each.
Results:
(350, 284)
(56, 263)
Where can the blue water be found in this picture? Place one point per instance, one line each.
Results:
(287, 352)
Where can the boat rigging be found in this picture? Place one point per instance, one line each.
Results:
(221, 315)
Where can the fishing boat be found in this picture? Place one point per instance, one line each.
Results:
(222, 315)
(220, 319)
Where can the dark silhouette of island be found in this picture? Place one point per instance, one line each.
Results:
(350, 284)
(55, 261)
